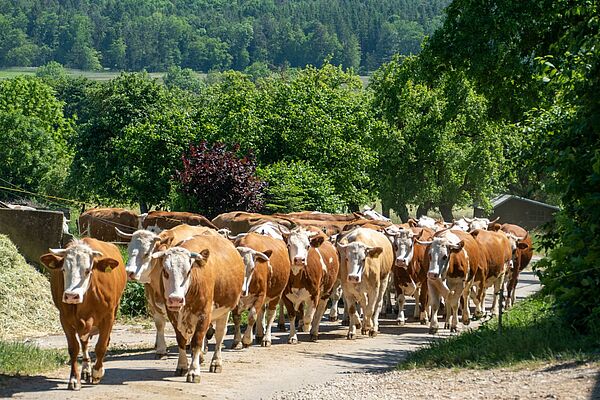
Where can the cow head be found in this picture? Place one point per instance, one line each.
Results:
(356, 255)
(142, 244)
(516, 244)
(298, 242)
(439, 252)
(177, 265)
(77, 263)
(402, 242)
(460, 225)
(251, 257)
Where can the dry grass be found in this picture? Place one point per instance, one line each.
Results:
(26, 307)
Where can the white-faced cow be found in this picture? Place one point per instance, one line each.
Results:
(366, 262)
(202, 280)
(87, 280)
(142, 268)
(267, 274)
(314, 264)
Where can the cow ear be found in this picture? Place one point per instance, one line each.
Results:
(201, 257)
(268, 253)
(494, 226)
(106, 264)
(374, 251)
(412, 223)
(158, 254)
(286, 236)
(51, 261)
(474, 233)
(317, 241)
(457, 247)
(522, 245)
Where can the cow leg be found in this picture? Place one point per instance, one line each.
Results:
(417, 309)
(378, 304)
(309, 313)
(237, 330)
(354, 319)
(335, 299)
(367, 318)
(159, 314)
(271, 309)
(423, 294)
(86, 369)
(456, 287)
(247, 339)
(318, 315)
(260, 325)
(281, 320)
(197, 345)
(498, 286)
(466, 318)
(400, 301)
(101, 346)
(479, 299)
(216, 365)
(433, 305)
(182, 362)
(291, 311)
(73, 343)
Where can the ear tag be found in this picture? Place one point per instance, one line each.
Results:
(108, 269)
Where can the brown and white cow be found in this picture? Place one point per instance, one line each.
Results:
(202, 279)
(314, 270)
(241, 222)
(100, 223)
(410, 269)
(267, 273)
(142, 268)
(318, 216)
(453, 258)
(366, 262)
(87, 279)
(522, 252)
(496, 254)
(158, 221)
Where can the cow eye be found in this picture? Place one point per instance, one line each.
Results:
(165, 274)
(88, 271)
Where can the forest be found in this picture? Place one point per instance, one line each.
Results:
(207, 35)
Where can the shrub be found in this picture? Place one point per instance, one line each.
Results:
(133, 301)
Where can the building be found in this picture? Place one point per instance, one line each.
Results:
(520, 211)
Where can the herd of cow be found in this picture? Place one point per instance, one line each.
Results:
(196, 272)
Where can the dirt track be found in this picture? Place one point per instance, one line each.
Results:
(247, 374)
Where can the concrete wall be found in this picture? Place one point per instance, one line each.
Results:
(33, 232)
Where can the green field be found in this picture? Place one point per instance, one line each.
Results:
(93, 75)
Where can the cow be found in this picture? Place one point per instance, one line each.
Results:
(202, 281)
(453, 259)
(460, 225)
(479, 223)
(267, 274)
(366, 262)
(366, 223)
(100, 223)
(87, 279)
(314, 270)
(409, 270)
(318, 216)
(140, 267)
(158, 221)
(370, 213)
(428, 222)
(496, 254)
(522, 252)
(240, 221)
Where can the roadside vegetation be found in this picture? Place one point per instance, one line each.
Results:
(532, 331)
(25, 359)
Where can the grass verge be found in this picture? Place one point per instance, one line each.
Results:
(26, 359)
(532, 331)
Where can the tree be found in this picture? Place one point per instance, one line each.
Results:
(215, 180)
(33, 136)
(184, 79)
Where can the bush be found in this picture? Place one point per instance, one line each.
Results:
(215, 180)
(133, 301)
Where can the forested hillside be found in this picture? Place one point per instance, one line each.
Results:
(212, 34)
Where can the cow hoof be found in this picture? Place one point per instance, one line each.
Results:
(293, 341)
(314, 338)
(216, 368)
(433, 331)
(333, 318)
(466, 322)
(181, 371)
(281, 328)
(345, 322)
(246, 345)
(423, 322)
(259, 339)
(236, 346)
(74, 385)
(86, 376)
(351, 336)
(97, 375)
(266, 343)
(162, 356)
(210, 332)
(373, 333)
(401, 322)
(453, 329)
(363, 331)
(193, 378)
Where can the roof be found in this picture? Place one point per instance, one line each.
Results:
(503, 198)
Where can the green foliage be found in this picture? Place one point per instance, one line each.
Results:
(27, 359)
(208, 35)
(441, 147)
(133, 301)
(531, 331)
(296, 186)
(184, 79)
(33, 136)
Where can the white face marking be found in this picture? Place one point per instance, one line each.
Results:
(439, 253)
(177, 265)
(77, 271)
(140, 249)
(426, 222)
(268, 229)
(249, 264)
(298, 245)
(479, 223)
(404, 248)
(355, 254)
(461, 225)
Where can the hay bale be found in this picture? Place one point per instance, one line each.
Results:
(26, 307)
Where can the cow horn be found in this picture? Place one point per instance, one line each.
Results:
(236, 237)
(469, 220)
(58, 252)
(496, 220)
(425, 243)
(123, 234)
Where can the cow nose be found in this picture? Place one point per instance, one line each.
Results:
(400, 262)
(131, 276)
(299, 260)
(432, 275)
(353, 278)
(71, 297)
(175, 302)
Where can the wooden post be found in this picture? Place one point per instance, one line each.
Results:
(500, 308)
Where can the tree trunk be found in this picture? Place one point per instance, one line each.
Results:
(385, 209)
(402, 212)
(143, 207)
(446, 211)
(353, 207)
(423, 209)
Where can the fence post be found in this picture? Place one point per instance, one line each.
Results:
(500, 308)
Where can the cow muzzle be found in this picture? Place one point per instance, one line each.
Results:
(72, 298)
(433, 275)
(401, 263)
(300, 261)
(174, 303)
(354, 278)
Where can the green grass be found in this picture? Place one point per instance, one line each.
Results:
(26, 359)
(532, 331)
(8, 73)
